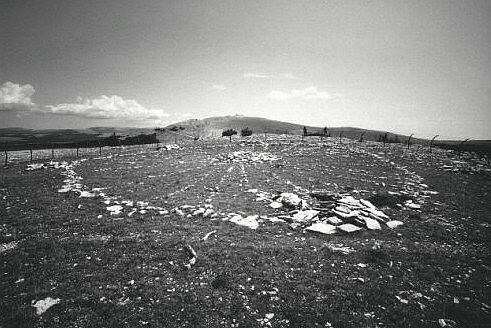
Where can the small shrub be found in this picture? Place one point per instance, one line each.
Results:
(246, 132)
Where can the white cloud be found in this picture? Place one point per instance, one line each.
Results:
(218, 87)
(14, 96)
(285, 76)
(309, 93)
(107, 107)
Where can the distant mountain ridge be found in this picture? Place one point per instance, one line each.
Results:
(214, 126)
(22, 136)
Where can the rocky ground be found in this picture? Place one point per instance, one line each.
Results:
(275, 233)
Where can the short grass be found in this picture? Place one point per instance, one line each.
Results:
(130, 272)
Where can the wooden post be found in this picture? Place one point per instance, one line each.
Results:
(461, 144)
(30, 150)
(340, 136)
(77, 150)
(408, 140)
(6, 157)
(431, 142)
(265, 136)
(52, 151)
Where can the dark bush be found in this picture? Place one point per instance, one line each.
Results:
(246, 132)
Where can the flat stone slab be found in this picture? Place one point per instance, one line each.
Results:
(394, 224)
(348, 227)
(372, 224)
(276, 205)
(334, 220)
(305, 216)
(322, 227)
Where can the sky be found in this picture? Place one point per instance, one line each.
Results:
(420, 67)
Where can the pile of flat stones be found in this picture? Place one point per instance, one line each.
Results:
(331, 213)
(246, 156)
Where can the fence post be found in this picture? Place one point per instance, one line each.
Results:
(341, 136)
(431, 142)
(77, 150)
(30, 150)
(408, 140)
(461, 144)
(100, 149)
(6, 157)
(52, 151)
(385, 137)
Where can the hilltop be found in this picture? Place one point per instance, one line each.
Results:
(214, 126)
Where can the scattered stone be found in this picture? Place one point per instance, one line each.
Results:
(412, 205)
(305, 216)
(247, 156)
(168, 147)
(35, 166)
(43, 305)
(371, 223)
(322, 227)
(447, 323)
(393, 224)
(291, 200)
(86, 194)
(348, 227)
(8, 246)
(192, 261)
(340, 249)
(250, 221)
(276, 205)
(115, 209)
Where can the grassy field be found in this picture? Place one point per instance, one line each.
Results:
(130, 265)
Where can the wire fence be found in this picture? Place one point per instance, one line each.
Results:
(41, 151)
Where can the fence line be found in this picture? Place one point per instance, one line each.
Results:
(18, 152)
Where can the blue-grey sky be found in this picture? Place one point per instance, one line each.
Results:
(401, 66)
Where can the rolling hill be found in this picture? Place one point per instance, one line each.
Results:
(19, 138)
(214, 126)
